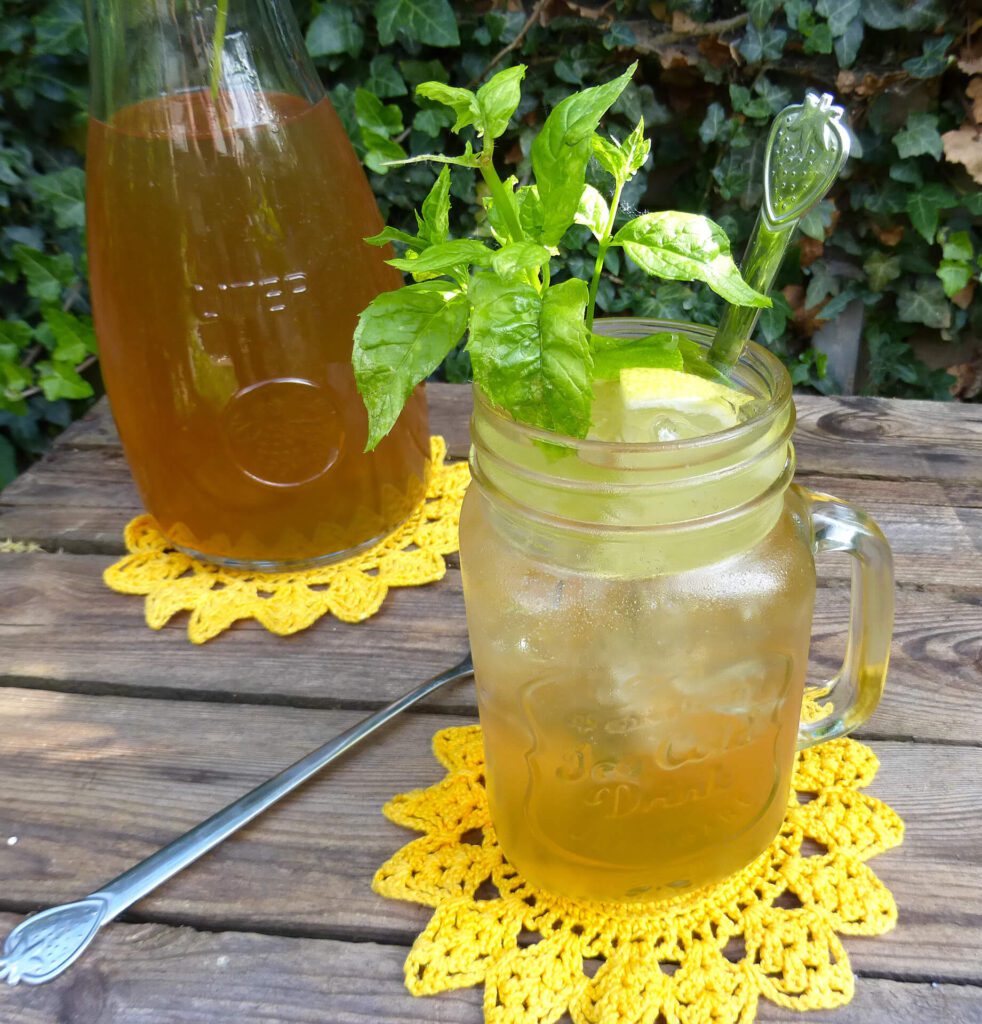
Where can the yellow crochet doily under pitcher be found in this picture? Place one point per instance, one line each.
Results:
(771, 931)
(287, 602)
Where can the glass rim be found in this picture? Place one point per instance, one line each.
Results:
(763, 363)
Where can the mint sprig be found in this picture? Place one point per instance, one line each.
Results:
(530, 341)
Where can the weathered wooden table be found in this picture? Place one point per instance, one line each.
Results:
(114, 739)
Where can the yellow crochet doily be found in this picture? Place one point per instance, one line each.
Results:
(705, 958)
(287, 602)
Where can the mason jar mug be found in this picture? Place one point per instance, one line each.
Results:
(639, 617)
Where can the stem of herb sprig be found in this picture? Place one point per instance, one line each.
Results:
(502, 200)
(603, 246)
(217, 45)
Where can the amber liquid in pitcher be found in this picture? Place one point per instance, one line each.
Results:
(228, 267)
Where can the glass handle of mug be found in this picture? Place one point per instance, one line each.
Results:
(855, 690)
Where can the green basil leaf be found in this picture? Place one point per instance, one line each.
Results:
(593, 211)
(389, 234)
(636, 149)
(516, 259)
(611, 355)
(531, 352)
(463, 102)
(468, 159)
(498, 99)
(436, 209)
(446, 257)
(609, 156)
(401, 338)
(562, 149)
(686, 247)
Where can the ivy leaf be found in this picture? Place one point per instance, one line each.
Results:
(58, 378)
(957, 245)
(686, 247)
(954, 276)
(401, 338)
(374, 115)
(73, 336)
(760, 44)
(914, 15)
(773, 322)
(819, 39)
(908, 172)
(516, 259)
(823, 283)
(14, 336)
(424, 21)
(593, 211)
(925, 303)
(384, 79)
(60, 29)
(847, 45)
(63, 192)
(920, 137)
(881, 269)
(620, 35)
(818, 220)
(531, 353)
(924, 204)
(445, 257)
(47, 275)
(333, 31)
(776, 96)
(713, 123)
(932, 61)
(760, 11)
(611, 355)
(838, 13)
(498, 99)
(561, 151)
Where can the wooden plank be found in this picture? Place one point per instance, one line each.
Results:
(80, 501)
(894, 438)
(167, 975)
(93, 784)
(60, 627)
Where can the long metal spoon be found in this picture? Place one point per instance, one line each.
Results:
(806, 148)
(43, 946)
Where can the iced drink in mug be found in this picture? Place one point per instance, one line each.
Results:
(638, 567)
(639, 604)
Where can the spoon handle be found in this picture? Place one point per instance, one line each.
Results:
(142, 878)
(806, 148)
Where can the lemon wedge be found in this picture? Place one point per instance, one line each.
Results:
(666, 405)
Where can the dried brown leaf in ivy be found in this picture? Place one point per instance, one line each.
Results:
(964, 146)
(963, 299)
(811, 249)
(889, 236)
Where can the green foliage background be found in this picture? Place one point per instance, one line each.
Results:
(900, 233)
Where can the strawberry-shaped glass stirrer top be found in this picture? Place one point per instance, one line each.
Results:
(806, 149)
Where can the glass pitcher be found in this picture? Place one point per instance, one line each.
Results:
(639, 617)
(226, 212)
